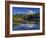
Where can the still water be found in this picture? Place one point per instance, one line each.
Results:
(33, 26)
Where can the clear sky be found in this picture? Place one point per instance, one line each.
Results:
(23, 10)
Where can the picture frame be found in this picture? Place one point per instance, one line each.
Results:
(10, 6)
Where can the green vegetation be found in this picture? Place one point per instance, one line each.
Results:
(20, 18)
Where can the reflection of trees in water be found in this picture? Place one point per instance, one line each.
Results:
(36, 23)
(32, 26)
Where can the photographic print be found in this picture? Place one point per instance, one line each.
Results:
(24, 19)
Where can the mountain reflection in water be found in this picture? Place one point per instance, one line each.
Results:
(33, 26)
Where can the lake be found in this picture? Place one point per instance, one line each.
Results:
(33, 26)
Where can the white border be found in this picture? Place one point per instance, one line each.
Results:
(26, 31)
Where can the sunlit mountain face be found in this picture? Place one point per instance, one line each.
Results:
(26, 18)
(30, 12)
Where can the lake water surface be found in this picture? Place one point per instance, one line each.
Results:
(35, 26)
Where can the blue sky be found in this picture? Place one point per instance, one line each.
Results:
(23, 10)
